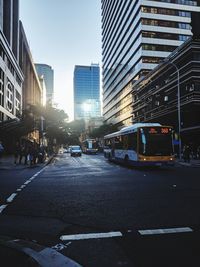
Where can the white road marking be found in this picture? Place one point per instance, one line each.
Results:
(27, 182)
(165, 231)
(60, 246)
(2, 207)
(90, 236)
(11, 197)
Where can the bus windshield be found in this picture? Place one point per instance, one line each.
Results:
(155, 141)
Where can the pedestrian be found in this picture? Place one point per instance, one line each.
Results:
(198, 152)
(16, 152)
(1, 150)
(186, 153)
(21, 153)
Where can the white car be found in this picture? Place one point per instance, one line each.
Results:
(75, 151)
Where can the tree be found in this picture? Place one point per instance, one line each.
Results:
(55, 124)
(104, 130)
(75, 128)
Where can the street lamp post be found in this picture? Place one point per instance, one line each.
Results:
(178, 105)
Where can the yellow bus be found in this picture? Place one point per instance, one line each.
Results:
(141, 144)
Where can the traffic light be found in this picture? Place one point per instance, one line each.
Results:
(195, 21)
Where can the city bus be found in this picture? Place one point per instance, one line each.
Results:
(142, 144)
(90, 146)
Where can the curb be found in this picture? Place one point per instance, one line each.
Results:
(33, 254)
(22, 167)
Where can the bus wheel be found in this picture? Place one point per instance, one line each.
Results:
(126, 159)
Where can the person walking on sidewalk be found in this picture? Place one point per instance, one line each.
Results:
(1, 149)
(16, 152)
(186, 153)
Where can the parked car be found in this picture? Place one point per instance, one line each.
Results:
(75, 151)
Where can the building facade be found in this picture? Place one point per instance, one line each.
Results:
(48, 74)
(32, 91)
(86, 92)
(11, 76)
(155, 97)
(136, 36)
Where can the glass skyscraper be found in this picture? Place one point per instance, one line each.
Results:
(86, 92)
(48, 74)
(136, 36)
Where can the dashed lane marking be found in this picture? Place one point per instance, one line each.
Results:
(90, 236)
(18, 190)
(2, 207)
(165, 231)
(120, 234)
(11, 197)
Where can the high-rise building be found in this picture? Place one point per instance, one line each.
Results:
(48, 74)
(86, 92)
(11, 76)
(136, 36)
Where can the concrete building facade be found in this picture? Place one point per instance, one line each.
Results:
(86, 92)
(11, 76)
(32, 91)
(136, 37)
(155, 97)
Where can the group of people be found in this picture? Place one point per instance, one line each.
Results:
(29, 153)
(189, 153)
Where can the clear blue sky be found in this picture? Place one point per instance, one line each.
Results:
(63, 33)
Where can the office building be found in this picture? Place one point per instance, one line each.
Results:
(11, 76)
(136, 37)
(48, 74)
(86, 92)
(155, 97)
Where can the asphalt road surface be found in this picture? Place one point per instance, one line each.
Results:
(101, 214)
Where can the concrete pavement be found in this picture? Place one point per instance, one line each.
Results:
(193, 163)
(7, 163)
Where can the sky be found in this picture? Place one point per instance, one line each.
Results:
(62, 34)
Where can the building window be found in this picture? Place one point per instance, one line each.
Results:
(17, 102)
(165, 23)
(1, 87)
(9, 96)
(166, 48)
(2, 53)
(165, 11)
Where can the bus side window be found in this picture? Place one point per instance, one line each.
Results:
(108, 143)
(118, 142)
(132, 141)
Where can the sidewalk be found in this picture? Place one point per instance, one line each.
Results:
(192, 163)
(7, 163)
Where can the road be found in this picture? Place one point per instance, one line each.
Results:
(97, 212)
